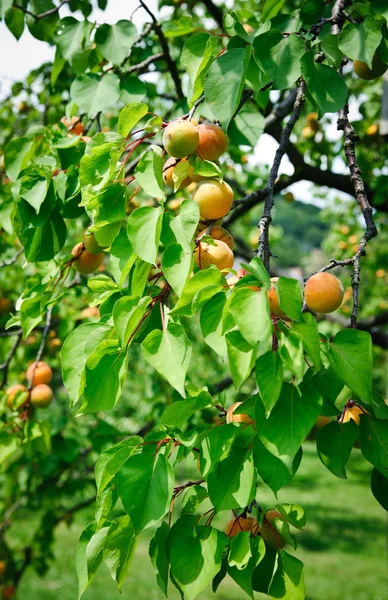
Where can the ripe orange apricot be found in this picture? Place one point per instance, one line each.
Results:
(219, 255)
(180, 138)
(214, 198)
(219, 233)
(324, 293)
(274, 300)
(75, 125)
(90, 312)
(238, 418)
(41, 374)
(353, 413)
(2, 567)
(372, 129)
(236, 525)
(85, 262)
(308, 132)
(362, 70)
(5, 306)
(269, 533)
(41, 395)
(91, 243)
(168, 170)
(11, 393)
(212, 141)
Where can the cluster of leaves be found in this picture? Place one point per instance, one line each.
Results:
(57, 182)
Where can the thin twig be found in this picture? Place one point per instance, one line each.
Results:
(41, 347)
(43, 15)
(5, 366)
(11, 261)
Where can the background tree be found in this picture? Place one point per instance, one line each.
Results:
(230, 371)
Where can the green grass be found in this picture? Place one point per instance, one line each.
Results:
(343, 545)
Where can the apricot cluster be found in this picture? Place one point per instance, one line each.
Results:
(41, 395)
(215, 198)
(266, 530)
(88, 255)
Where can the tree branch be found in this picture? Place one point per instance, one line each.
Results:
(11, 261)
(215, 11)
(5, 366)
(43, 15)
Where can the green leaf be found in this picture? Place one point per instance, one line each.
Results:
(132, 90)
(148, 173)
(119, 548)
(288, 579)
(211, 324)
(43, 243)
(105, 503)
(290, 297)
(257, 269)
(122, 258)
(293, 513)
(196, 558)
(129, 116)
(379, 486)
(94, 93)
(232, 483)
(106, 205)
(210, 278)
(350, 356)
(89, 555)
(158, 556)
(42, 29)
(4, 6)
(250, 311)
(330, 48)
(185, 223)
(69, 36)
(279, 57)
(271, 9)
(308, 330)
(241, 357)
(311, 11)
(75, 351)
(144, 227)
(169, 352)
(115, 41)
(324, 84)
(269, 378)
(34, 185)
(240, 550)
(359, 41)
(178, 413)
(17, 154)
(96, 168)
(334, 445)
(127, 315)
(275, 473)
(224, 83)
(291, 353)
(247, 127)
(14, 19)
(177, 265)
(112, 459)
(146, 485)
(197, 54)
(192, 498)
(374, 442)
(290, 421)
(105, 372)
(216, 446)
(242, 574)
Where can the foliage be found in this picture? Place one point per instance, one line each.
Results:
(173, 325)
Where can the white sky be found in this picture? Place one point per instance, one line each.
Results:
(18, 58)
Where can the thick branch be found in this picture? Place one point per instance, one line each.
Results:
(214, 10)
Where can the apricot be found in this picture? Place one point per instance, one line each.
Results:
(85, 262)
(212, 141)
(54, 344)
(75, 126)
(219, 255)
(11, 393)
(308, 133)
(274, 300)
(180, 138)
(238, 418)
(90, 312)
(372, 129)
(324, 293)
(168, 170)
(5, 306)
(312, 120)
(42, 373)
(362, 70)
(2, 567)
(214, 199)
(175, 203)
(219, 233)
(241, 524)
(205, 224)
(353, 413)
(248, 28)
(91, 243)
(269, 533)
(41, 396)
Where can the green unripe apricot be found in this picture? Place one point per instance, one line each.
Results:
(91, 243)
(180, 138)
(362, 70)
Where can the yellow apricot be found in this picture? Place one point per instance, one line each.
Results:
(175, 203)
(274, 300)
(269, 533)
(41, 396)
(214, 199)
(219, 233)
(11, 393)
(219, 255)
(180, 138)
(212, 141)
(308, 133)
(168, 170)
(42, 373)
(241, 524)
(238, 418)
(324, 293)
(372, 129)
(85, 262)
(353, 413)
(380, 273)
(362, 70)
(345, 229)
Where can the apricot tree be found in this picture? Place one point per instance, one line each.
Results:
(146, 184)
